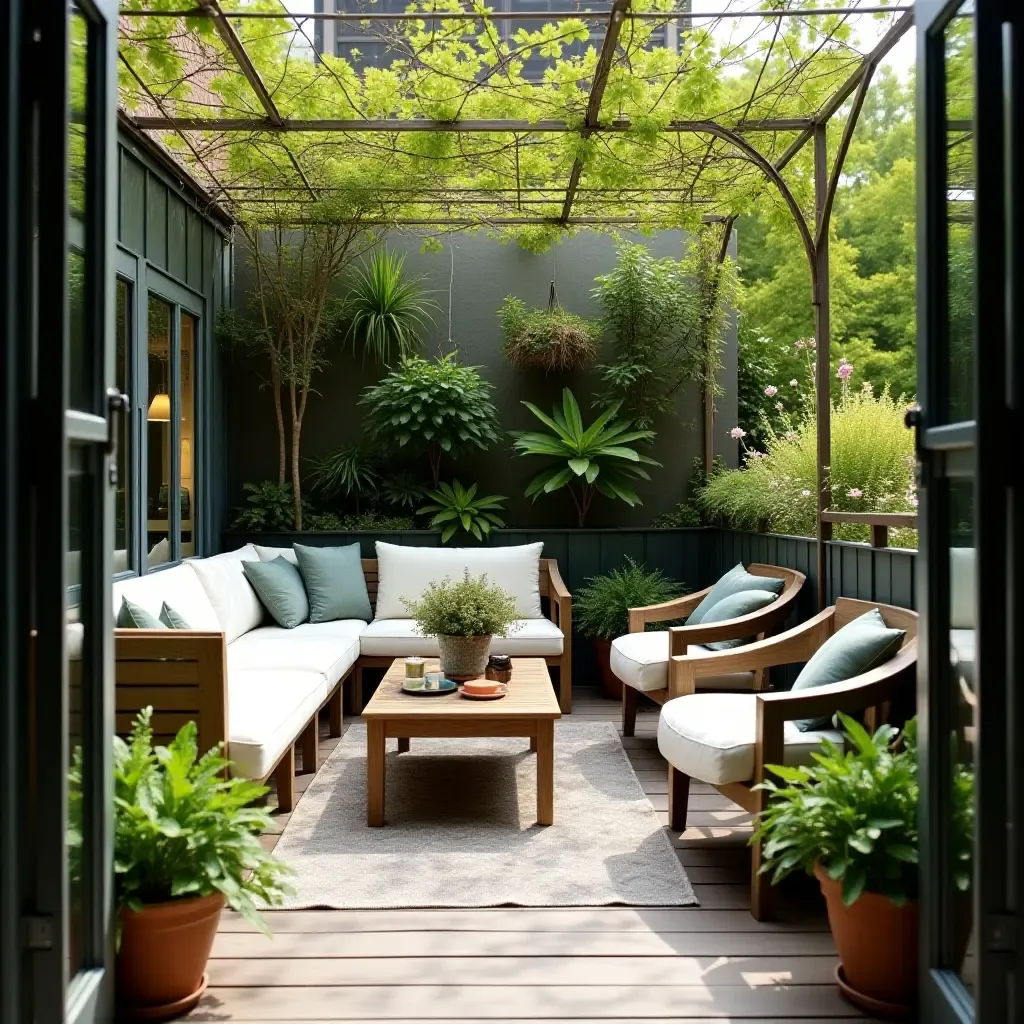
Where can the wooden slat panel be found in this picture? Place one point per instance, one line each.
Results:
(132, 199)
(175, 672)
(166, 698)
(166, 724)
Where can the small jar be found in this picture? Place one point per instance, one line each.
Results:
(499, 668)
(414, 667)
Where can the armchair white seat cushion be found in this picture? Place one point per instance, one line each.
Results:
(179, 587)
(267, 709)
(397, 638)
(712, 737)
(331, 653)
(640, 660)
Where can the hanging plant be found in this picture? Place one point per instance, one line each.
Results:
(549, 339)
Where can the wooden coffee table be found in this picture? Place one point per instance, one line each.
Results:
(529, 709)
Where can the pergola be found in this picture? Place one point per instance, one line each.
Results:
(677, 118)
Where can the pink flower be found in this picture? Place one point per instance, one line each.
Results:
(811, 343)
(793, 383)
(737, 433)
(771, 391)
(845, 371)
(855, 492)
(779, 406)
(790, 435)
(798, 345)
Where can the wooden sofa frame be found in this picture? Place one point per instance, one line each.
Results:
(559, 611)
(759, 624)
(182, 674)
(871, 693)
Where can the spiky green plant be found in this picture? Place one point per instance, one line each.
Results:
(456, 508)
(351, 470)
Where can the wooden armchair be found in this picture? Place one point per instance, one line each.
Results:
(753, 727)
(758, 624)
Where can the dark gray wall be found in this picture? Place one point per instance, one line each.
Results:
(485, 272)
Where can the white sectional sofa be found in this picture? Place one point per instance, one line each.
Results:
(259, 687)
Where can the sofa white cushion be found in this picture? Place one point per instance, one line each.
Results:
(640, 660)
(268, 554)
(331, 653)
(961, 588)
(406, 572)
(267, 709)
(397, 638)
(711, 737)
(179, 587)
(236, 603)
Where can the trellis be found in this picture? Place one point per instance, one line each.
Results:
(263, 157)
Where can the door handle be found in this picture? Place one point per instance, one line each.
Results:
(118, 405)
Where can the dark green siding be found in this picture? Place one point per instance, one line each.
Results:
(156, 222)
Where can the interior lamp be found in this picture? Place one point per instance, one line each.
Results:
(160, 408)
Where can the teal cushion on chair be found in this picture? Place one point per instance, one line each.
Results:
(279, 587)
(732, 607)
(171, 619)
(133, 616)
(334, 582)
(859, 646)
(737, 579)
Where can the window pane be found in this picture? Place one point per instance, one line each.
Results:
(82, 363)
(187, 340)
(122, 379)
(158, 433)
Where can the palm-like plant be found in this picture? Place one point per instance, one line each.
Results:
(458, 508)
(351, 470)
(403, 489)
(590, 460)
(386, 310)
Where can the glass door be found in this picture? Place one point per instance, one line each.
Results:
(969, 384)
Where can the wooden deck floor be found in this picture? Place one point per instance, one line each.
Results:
(601, 964)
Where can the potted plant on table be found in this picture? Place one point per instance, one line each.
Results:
(851, 820)
(186, 841)
(464, 616)
(601, 611)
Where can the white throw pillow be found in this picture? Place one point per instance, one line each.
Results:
(406, 572)
(269, 554)
(236, 603)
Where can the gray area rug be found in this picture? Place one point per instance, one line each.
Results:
(461, 829)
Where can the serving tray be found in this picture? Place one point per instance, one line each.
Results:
(418, 687)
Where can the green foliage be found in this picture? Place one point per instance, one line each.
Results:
(270, 507)
(546, 339)
(436, 407)
(689, 512)
(369, 522)
(183, 828)
(403, 489)
(470, 607)
(855, 812)
(601, 608)
(872, 471)
(455, 508)
(588, 460)
(386, 311)
(351, 471)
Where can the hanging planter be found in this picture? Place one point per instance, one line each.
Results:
(549, 339)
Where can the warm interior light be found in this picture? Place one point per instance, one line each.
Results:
(160, 408)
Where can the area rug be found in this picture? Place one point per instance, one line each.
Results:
(461, 829)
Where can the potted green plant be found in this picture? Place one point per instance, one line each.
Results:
(850, 819)
(601, 610)
(186, 841)
(464, 616)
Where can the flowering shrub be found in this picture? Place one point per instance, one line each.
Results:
(872, 469)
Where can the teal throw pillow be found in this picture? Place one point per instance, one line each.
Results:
(857, 647)
(734, 581)
(732, 607)
(279, 587)
(334, 582)
(171, 619)
(133, 616)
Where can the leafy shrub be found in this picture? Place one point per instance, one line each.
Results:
(546, 339)
(270, 507)
(433, 406)
(182, 827)
(369, 522)
(468, 608)
(601, 608)
(403, 489)
(458, 508)
(351, 471)
(689, 512)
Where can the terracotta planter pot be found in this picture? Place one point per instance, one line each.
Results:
(162, 958)
(464, 657)
(877, 944)
(611, 684)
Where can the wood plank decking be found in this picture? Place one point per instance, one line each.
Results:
(607, 964)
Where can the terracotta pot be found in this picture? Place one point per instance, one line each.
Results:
(611, 684)
(162, 957)
(877, 944)
(464, 657)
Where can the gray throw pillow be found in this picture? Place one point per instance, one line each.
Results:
(334, 582)
(732, 607)
(133, 616)
(734, 581)
(279, 587)
(859, 646)
(171, 619)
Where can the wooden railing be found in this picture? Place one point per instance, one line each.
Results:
(878, 521)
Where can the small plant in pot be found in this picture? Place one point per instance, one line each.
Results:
(850, 819)
(601, 611)
(186, 841)
(464, 616)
